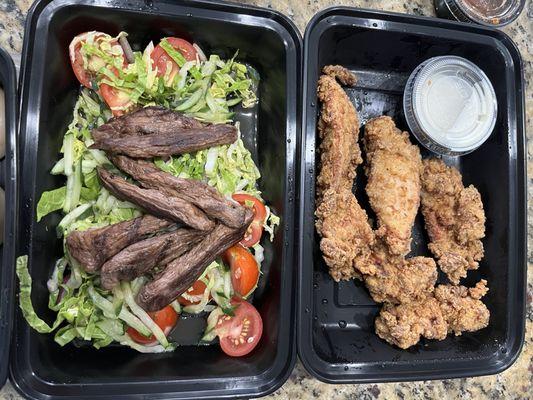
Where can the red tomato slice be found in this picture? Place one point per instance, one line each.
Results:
(244, 270)
(241, 333)
(161, 58)
(255, 230)
(86, 76)
(197, 289)
(166, 319)
(115, 98)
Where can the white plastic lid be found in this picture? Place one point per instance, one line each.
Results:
(454, 103)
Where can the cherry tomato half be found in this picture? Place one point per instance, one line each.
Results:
(255, 230)
(166, 319)
(244, 270)
(241, 333)
(196, 290)
(86, 75)
(161, 58)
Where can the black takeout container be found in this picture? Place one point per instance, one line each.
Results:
(8, 182)
(336, 339)
(271, 44)
(334, 326)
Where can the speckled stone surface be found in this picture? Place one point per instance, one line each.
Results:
(517, 381)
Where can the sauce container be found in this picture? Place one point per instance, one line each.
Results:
(485, 12)
(450, 105)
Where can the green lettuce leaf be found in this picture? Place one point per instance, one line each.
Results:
(51, 201)
(25, 303)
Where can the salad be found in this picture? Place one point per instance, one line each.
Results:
(115, 81)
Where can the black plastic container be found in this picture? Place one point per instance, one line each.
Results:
(8, 182)
(269, 42)
(336, 339)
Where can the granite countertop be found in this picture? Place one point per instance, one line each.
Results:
(517, 381)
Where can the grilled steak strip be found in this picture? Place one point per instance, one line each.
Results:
(91, 248)
(181, 273)
(141, 257)
(180, 141)
(205, 197)
(146, 121)
(156, 202)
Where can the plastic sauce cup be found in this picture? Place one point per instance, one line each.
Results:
(484, 12)
(450, 105)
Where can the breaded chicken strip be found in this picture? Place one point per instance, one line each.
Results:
(462, 308)
(403, 325)
(346, 234)
(338, 129)
(451, 308)
(397, 280)
(393, 167)
(454, 217)
(343, 225)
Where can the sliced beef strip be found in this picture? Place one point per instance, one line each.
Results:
(141, 257)
(205, 197)
(181, 273)
(146, 121)
(177, 141)
(156, 202)
(91, 248)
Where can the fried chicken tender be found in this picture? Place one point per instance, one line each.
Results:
(397, 280)
(393, 166)
(454, 217)
(462, 308)
(403, 325)
(346, 233)
(343, 75)
(338, 129)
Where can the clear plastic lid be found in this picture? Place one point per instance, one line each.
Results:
(450, 101)
(492, 12)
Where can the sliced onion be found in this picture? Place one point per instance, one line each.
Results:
(199, 51)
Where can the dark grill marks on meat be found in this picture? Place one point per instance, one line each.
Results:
(159, 133)
(156, 202)
(200, 194)
(181, 273)
(91, 248)
(146, 121)
(141, 257)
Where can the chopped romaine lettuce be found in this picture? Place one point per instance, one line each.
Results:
(51, 201)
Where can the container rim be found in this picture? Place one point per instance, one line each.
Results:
(8, 80)
(334, 373)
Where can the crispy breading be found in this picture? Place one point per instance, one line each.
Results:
(346, 234)
(397, 280)
(454, 218)
(462, 308)
(393, 167)
(343, 75)
(343, 225)
(338, 129)
(403, 325)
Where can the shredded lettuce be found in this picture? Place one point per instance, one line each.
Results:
(229, 168)
(172, 52)
(205, 90)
